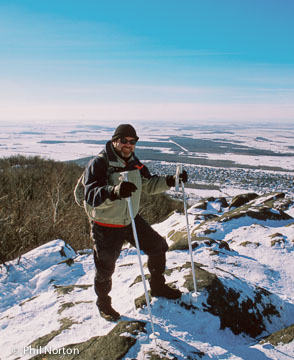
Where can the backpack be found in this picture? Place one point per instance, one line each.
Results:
(79, 190)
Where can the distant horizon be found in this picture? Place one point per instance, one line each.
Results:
(159, 123)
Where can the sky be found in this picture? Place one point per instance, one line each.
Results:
(157, 60)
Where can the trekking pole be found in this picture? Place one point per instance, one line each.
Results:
(154, 334)
(178, 172)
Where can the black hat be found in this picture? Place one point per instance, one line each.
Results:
(124, 130)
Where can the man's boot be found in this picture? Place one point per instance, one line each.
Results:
(104, 301)
(156, 265)
(106, 310)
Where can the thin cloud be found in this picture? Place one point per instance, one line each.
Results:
(150, 112)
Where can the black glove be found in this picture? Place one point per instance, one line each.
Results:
(171, 179)
(124, 189)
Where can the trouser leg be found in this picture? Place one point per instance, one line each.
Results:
(156, 266)
(102, 286)
(107, 246)
(153, 245)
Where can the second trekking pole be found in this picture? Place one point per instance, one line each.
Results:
(178, 172)
(154, 334)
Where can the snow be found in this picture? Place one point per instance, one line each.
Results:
(31, 304)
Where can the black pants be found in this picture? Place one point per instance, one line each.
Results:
(108, 242)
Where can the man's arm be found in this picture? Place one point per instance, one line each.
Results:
(152, 184)
(95, 181)
(156, 184)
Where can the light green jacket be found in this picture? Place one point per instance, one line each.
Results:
(104, 172)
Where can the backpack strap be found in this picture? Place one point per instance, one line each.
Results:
(79, 191)
(110, 169)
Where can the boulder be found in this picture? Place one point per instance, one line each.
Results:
(242, 199)
(114, 345)
(222, 200)
(181, 242)
(237, 311)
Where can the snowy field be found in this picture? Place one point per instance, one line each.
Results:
(70, 142)
(215, 156)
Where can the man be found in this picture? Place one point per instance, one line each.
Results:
(107, 208)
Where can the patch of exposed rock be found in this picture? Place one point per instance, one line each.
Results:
(284, 336)
(242, 199)
(236, 311)
(112, 346)
(180, 239)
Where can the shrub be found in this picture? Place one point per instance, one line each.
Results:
(37, 205)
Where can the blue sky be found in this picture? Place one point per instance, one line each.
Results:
(135, 60)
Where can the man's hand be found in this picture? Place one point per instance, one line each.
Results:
(171, 179)
(183, 177)
(124, 189)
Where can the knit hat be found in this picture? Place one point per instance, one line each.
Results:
(124, 130)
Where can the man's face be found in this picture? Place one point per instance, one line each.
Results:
(123, 146)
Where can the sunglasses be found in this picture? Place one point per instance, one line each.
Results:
(125, 141)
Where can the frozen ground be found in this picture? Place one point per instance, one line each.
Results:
(34, 305)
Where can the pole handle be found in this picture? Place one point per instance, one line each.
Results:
(124, 175)
(178, 172)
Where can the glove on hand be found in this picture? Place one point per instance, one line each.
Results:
(171, 179)
(124, 189)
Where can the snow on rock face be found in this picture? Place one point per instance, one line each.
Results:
(256, 211)
(243, 304)
(241, 307)
(33, 273)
